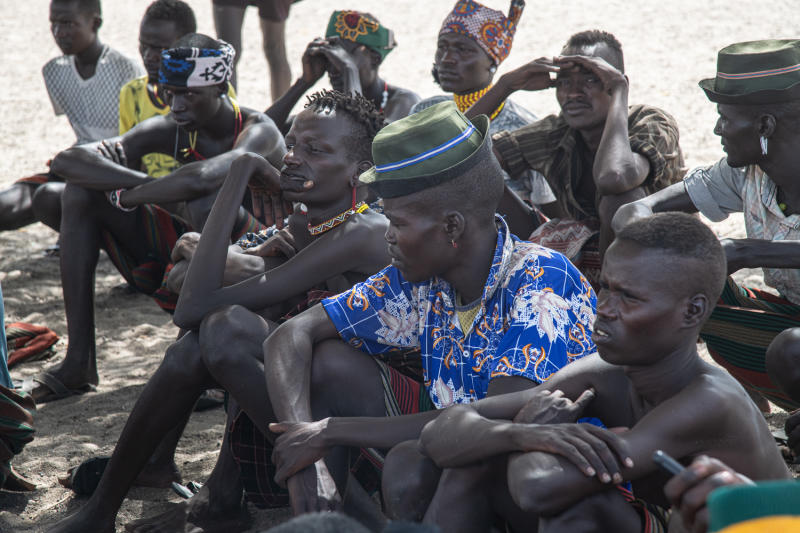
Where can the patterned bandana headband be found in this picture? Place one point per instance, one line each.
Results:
(493, 31)
(196, 67)
(362, 29)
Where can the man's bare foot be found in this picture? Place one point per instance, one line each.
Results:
(158, 476)
(58, 382)
(82, 521)
(198, 515)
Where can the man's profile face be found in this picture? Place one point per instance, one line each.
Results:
(415, 238)
(640, 305)
(738, 132)
(155, 36)
(191, 107)
(461, 65)
(72, 29)
(580, 93)
(317, 151)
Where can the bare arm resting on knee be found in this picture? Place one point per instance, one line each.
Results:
(201, 178)
(672, 198)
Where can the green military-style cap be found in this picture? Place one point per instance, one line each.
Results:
(426, 149)
(756, 72)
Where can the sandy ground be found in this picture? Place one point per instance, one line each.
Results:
(669, 46)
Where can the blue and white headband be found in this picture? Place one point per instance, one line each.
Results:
(196, 67)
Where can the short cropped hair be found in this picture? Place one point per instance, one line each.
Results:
(686, 237)
(175, 11)
(476, 193)
(593, 37)
(366, 119)
(197, 40)
(87, 7)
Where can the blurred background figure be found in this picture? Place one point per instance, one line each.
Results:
(228, 18)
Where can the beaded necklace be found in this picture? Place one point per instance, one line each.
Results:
(331, 223)
(465, 101)
(237, 129)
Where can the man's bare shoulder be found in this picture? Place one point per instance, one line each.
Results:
(253, 116)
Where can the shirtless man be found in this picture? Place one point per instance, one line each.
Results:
(352, 51)
(660, 280)
(109, 203)
(752, 333)
(231, 301)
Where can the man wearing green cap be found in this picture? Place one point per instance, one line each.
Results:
(352, 51)
(752, 333)
(489, 313)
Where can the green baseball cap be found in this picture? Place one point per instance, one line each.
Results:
(426, 149)
(363, 29)
(756, 72)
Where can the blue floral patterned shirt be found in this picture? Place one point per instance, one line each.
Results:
(536, 315)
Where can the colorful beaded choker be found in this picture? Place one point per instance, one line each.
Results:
(331, 223)
(465, 101)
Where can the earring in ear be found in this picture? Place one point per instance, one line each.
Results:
(764, 145)
(493, 69)
(353, 207)
(454, 243)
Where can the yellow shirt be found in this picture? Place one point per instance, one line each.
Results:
(137, 104)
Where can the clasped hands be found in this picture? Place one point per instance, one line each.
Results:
(326, 55)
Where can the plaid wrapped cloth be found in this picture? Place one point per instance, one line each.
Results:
(741, 327)
(29, 342)
(578, 240)
(161, 231)
(253, 451)
(552, 148)
(655, 519)
(16, 423)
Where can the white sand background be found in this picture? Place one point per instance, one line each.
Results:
(669, 47)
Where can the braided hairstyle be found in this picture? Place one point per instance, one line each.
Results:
(365, 118)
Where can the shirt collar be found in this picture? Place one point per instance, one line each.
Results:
(501, 261)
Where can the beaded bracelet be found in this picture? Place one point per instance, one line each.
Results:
(115, 197)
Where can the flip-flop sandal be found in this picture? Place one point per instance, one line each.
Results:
(58, 390)
(12, 481)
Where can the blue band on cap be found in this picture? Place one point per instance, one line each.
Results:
(458, 139)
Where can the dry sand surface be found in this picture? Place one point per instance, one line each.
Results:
(669, 46)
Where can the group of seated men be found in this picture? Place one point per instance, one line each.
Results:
(478, 380)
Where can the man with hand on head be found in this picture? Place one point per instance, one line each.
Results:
(352, 51)
(596, 155)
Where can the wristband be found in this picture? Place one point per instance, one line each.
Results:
(115, 197)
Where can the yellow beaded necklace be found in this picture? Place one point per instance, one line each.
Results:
(331, 223)
(465, 101)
